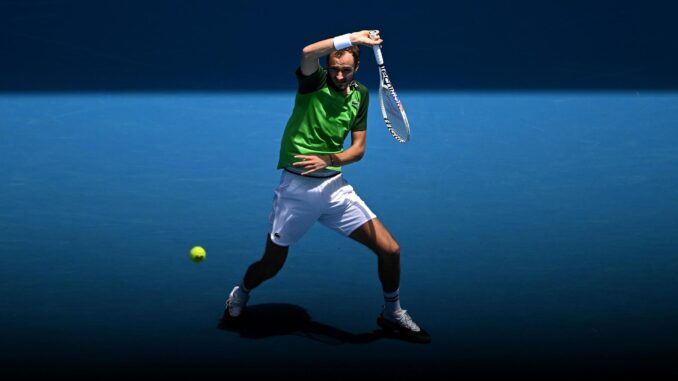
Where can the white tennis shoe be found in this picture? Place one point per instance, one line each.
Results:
(237, 300)
(401, 323)
(402, 319)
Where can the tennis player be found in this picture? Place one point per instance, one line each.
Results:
(329, 105)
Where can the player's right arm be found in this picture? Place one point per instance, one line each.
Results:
(311, 54)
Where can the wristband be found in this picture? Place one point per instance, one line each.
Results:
(342, 42)
(331, 159)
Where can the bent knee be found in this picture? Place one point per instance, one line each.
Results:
(392, 250)
(273, 263)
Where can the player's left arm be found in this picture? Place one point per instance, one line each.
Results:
(354, 153)
(358, 135)
(351, 155)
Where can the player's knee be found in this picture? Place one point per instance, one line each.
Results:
(391, 251)
(273, 264)
(274, 258)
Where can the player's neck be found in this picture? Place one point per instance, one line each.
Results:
(345, 91)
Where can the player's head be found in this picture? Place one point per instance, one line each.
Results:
(342, 65)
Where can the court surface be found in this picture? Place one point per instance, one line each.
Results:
(538, 235)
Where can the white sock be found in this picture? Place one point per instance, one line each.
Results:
(392, 302)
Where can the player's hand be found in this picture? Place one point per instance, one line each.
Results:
(363, 38)
(312, 163)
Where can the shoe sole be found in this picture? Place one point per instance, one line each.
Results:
(421, 337)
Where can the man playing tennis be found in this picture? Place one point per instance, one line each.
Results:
(329, 104)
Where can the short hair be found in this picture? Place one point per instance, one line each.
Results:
(354, 50)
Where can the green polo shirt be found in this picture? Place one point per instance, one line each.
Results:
(322, 118)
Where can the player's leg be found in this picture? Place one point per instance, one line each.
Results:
(348, 214)
(375, 236)
(266, 268)
(293, 213)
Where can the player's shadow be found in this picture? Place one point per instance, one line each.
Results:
(279, 319)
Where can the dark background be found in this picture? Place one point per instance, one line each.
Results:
(105, 45)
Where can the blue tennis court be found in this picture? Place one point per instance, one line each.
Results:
(538, 235)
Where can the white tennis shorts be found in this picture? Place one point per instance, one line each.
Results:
(299, 201)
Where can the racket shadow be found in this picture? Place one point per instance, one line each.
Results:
(279, 319)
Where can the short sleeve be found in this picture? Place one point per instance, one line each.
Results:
(313, 82)
(360, 123)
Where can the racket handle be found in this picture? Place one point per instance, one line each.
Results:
(377, 49)
(377, 55)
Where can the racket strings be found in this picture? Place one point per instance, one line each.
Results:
(394, 114)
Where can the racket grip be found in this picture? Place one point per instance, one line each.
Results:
(377, 55)
(377, 49)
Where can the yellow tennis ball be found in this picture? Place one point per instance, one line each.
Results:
(198, 254)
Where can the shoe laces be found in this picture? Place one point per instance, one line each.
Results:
(235, 299)
(404, 319)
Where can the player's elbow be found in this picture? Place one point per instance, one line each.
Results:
(307, 53)
(359, 155)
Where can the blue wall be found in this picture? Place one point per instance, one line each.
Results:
(209, 44)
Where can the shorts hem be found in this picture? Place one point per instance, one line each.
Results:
(277, 241)
(348, 233)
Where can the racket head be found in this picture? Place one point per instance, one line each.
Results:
(392, 110)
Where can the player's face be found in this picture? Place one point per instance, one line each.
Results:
(341, 71)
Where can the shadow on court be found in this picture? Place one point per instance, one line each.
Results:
(279, 319)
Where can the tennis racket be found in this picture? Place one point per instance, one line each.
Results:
(391, 108)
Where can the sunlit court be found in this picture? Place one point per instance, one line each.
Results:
(534, 227)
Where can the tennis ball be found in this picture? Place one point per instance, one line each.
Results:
(198, 254)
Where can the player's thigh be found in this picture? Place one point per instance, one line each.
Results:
(375, 236)
(295, 210)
